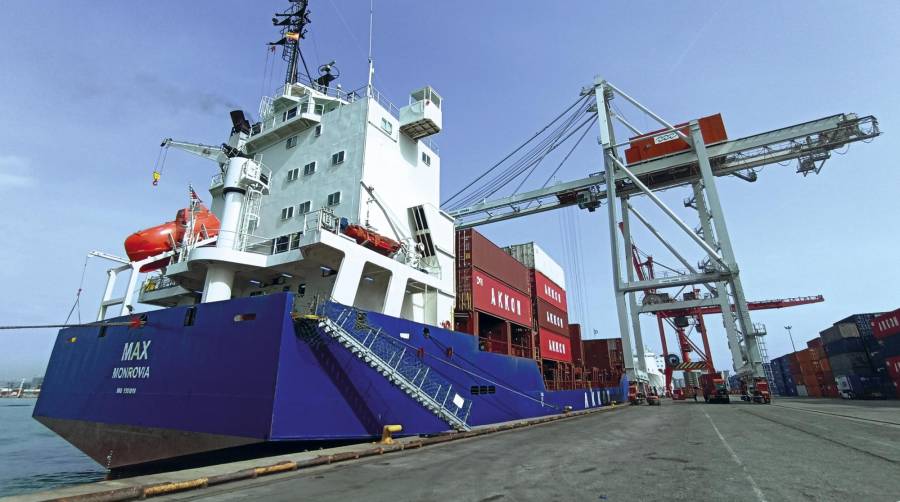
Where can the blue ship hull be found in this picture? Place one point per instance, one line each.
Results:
(244, 372)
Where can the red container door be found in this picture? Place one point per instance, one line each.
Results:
(500, 299)
(549, 291)
(555, 347)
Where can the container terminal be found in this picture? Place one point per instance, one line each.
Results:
(332, 302)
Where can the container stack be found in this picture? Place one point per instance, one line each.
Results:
(886, 330)
(548, 296)
(851, 349)
(789, 370)
(583, 376)
(807, 373)
(778, 377)
(494, 297)
(606, 357)
(824, 378)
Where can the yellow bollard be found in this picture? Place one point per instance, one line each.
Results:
(387, 431)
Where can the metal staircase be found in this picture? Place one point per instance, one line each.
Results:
(397, 362)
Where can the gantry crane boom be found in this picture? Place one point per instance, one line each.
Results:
(758, 305)
(696, 166)
(808, 142)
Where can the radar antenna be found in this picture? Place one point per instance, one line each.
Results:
(293, 23)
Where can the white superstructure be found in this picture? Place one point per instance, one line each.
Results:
(655, 373)
(318, 160)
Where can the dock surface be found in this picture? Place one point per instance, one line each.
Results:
(790, 450)
(794, 449)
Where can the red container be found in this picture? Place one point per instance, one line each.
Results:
(552, 318)
(658, 144)
(893, 369)
(886, 325)
(474, 250)
(815, 343)
(577, 347)
(547, 290)
(478, 290)
(605, 354)
(555, 347)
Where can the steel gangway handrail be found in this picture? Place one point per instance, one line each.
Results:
(403, 367)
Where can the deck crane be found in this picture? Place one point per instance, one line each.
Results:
(696, 166)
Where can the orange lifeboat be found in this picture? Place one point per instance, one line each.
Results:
(367, 238)
(159, 239)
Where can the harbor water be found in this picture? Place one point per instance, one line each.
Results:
(32, 458)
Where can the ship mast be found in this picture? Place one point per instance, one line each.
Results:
(293, 23)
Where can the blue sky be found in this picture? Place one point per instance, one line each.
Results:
(88, 90)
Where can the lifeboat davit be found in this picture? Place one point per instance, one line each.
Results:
(159, 239)
(372, 240)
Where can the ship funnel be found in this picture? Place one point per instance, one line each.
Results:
(240, 122)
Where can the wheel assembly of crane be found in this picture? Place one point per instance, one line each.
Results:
(690, 155)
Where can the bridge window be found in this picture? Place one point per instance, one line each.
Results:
(293, 174)
(387, 126)
(334, 199)
(291, 142)
(304, 208)
(426, 159)
(318, 131)
(337, 158)
(287, 213)
(309, 169)
(483, 389)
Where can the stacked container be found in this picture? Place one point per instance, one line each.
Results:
(548, 296)
(807, 372)
(493, 296)
(778, 377)
(583, 376)
(855, 357)
(822, 369)
(606, 357)
(886, 330)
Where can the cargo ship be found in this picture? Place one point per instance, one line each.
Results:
(321, 296)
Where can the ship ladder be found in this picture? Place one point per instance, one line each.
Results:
(398, 363)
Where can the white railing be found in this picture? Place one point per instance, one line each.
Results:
(313, 222)
(157, 283)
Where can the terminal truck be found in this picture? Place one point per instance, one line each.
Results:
(714, 389)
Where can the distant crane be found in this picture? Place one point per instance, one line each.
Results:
(680, 320)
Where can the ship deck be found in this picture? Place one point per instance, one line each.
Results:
(678, 451)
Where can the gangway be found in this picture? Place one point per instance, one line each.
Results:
(393, 360)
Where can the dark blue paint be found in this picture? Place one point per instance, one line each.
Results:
(271, 379)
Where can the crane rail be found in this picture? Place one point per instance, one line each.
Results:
(808, 142)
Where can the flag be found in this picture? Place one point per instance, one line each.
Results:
(193, 194)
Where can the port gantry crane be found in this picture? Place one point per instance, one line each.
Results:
(680, 319)
(697, 167)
